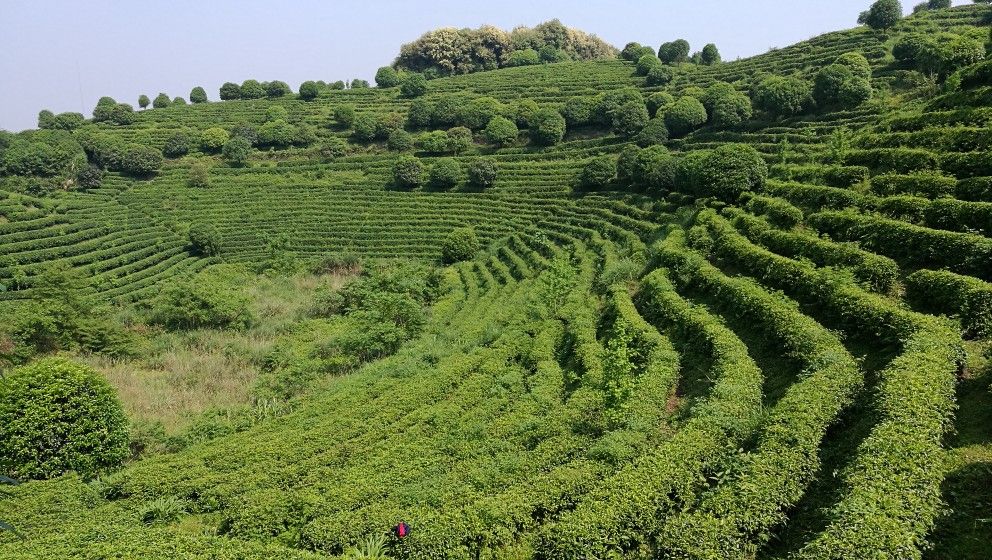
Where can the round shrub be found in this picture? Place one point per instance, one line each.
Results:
(419, 114)
(630, 118)
(524, 57)
(213, 139)
(501, 132)
(675, 52)
(408, 172)
(459, 139)
(275, 88)
(143, 102)
(344, 116)
(607, 103)
(178, 101)
(654, 168)
(908, 48)
(121, 114)
(710, 55)
(446, 173)
(477, 113)
(459, 245)
(547, 127)
(198, 95)
(632, 51)
(386, 77)
(657, 101)
(655, 132)
(400, 141)
(783, 96)
(482, 173)
(177, 145)
(252, 89)
(856, 63)
(883, 14)
(230, 91)
(828, 82)
(309, 90)
(58, 416)
(854, 92)
(89, 177)
(660, 76)
(198, 176)
(161, 101)
(729, 171)
(684, 116)
(646, 63)
(141, 160)
(414, 85)
(237, 150)
(627, 166)
(578, 110)
(598, 173)
(204, 240)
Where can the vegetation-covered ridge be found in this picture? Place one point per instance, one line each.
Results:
(652, 305)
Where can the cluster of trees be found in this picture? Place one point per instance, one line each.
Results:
(844, 84)
(932, 5)
(671, 53)
(310, 89)
(449, 51)
(253, 89)
(938, 54)
(161, 101)
(446, 173)
(883, 14)
(40, 153)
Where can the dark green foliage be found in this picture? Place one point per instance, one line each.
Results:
(198, 95)
(277, 133)
(414, 85)
(58, 416)
(627, 173)
(684, 116)
(143, 101)
(954, 294)
(837, 85)
(408, 172)
(252, 89)
(434, 142)
(979, 75)
(141, 160)
(632, 51)
(856, 63)
(276, 88)
(178, 101)
(161, 101)
(68, 121)
(213, 298)
(121, 114)
(725, 173)
(46, 119)
(660, 76)
(778, 211)
(646, 63)
(653, 168)
(459, 245)
(446, 173)
(674, 52)
(608, 103)
(846, 176)
(103, 107)
(177, 145)
(478, 112)
(630, 118)
(386, 77)
(237, 151)
(459, 139)
(482, 173)
(726, 106)
(710, 55)
(344, 116)
(230, 91)
(365, 128)
(89, 177)
(501, 132)
(578, 110)
(359, 84)
(523, 57)
(400, 141)
(309, 90)
(547, 127)
(883, 14)
(550, 55)
(598, 173)
(204, 239)
(654, 132)
(657, 101)
(419, 114)
(783, 96)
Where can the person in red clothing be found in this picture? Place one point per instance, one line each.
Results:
(401, 530)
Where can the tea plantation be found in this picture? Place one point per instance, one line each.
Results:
(630, 307)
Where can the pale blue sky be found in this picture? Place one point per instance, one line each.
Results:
(64, 54)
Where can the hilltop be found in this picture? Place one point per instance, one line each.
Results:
(649, 305)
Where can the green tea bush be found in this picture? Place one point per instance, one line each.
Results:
(578, 110)
(783, 96)
(482, 173)
(598, 173)
(630, 118)
(654, 132)
(198, 95)
(414, 85)
(446, 173)
(459, 245)
(684, 116)
(213, 139)
(237, 151)
(408, 172)
(547, 127)
(177, 145)
(58, 416)
(213, 298)
(204, 239)
(501, 132)
(954, 294)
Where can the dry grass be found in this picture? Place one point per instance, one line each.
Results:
(183, 374)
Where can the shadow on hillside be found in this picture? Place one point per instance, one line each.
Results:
(966, 532)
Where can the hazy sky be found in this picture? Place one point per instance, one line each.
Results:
(63, 55)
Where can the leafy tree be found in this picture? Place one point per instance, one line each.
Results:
(653, 168)
(46, 119)
(607, 103)
(214, 298)
(675, 52)
(237, 150)
(387, 77)
(550, 54)
(143, 101)
(646, 63)
(783, 96)
(654, 132)
(252, 89)
(657, 101)
(460, 139)
(547, 127)
(198, 176)
(103, 108)
(58, 416)
(482, 173)
(337, 85)
(213, 139)
(408, 172)
(599, 172)
(632, 51)
(275, 88)
(837, 85)
(230, 91)
(854, 92)
(419, 114)
(309, 90)
(477, 113)
(725, 173)
(89, 177)
(204, 239)
(938, 4)
(364, 128)
(459, 245)
(627, 166)
(710, 55)
(359, 84)
(630, 118)
(198, 95)
(434, 142)
(944, 53)
(856, 63)
(141, 160)
(660, 76)
(121, 114)
(448, 110)
(446, 173)
(501, 132)
(909, 48)
(178, 101)
(725, 105)
(177, 145)
(883, 14)
(278, 133)
(524, 57)
(400, 141)
(413, 85)
(68, 121)
(684, 116)
(523, 110)
(344, 116)
(578, 110)
(161, 101)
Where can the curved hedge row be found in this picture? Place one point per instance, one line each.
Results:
(954, 294)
